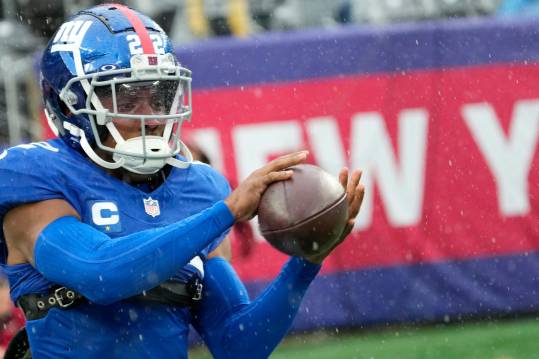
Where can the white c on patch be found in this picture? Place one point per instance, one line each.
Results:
(105, 213)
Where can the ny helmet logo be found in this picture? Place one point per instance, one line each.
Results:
(151, 206)
(70, 35)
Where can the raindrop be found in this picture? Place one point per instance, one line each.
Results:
(133, 315)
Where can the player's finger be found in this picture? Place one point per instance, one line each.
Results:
(352, 184)
(286, 161)
(277, 176)
(355, 205)
(343, 177)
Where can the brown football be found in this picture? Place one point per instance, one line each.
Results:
(305, 214)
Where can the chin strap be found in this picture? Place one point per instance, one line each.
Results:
(120, 161)
(179, 163)
(76, 131)
(94, 157)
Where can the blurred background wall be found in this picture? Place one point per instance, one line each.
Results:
(26, 25)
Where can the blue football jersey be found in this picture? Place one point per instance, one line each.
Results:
(48, 170)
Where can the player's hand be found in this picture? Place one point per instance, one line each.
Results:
(354, 194)
(243, 201)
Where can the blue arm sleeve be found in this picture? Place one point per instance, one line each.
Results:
(232, 326)
(106, 270)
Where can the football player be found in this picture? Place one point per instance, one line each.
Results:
(110, 231)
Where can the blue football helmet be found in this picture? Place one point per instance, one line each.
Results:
(97, 70)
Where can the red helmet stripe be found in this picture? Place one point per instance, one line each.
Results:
(140, 29)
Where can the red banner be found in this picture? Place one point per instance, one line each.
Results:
(449, 157)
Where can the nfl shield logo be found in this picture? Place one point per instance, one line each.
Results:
(152, 60)
(151, 206)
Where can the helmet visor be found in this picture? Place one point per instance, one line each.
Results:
(127, 99)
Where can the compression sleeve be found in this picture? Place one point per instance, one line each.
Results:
(232, 326)
(105, 270)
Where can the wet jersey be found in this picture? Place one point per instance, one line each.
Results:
(49, 170)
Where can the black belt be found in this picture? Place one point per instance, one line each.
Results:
(174, 293)
(36, 306)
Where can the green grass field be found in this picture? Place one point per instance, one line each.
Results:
(507, 339)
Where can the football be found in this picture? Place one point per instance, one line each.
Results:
(305, 214)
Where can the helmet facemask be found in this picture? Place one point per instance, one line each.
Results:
(154, 94)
